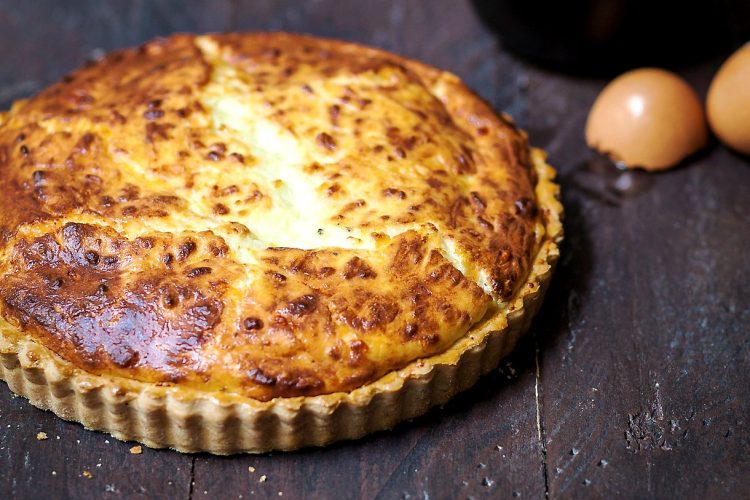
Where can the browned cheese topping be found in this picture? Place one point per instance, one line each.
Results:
(265, 215)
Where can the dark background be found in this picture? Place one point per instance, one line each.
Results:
(633, 380)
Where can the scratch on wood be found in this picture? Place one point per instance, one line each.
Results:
(571, 313)
(539, 428)
(192, 478)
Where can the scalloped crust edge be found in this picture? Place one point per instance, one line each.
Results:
(194, 421)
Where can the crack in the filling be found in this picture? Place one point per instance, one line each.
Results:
(269, 215)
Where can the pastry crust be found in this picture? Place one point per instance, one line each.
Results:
(137, 402)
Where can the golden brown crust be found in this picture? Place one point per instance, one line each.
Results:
(188, 420)
(147, 241)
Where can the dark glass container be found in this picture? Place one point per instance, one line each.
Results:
(599, 36)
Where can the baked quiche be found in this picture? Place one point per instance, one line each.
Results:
(250, 242)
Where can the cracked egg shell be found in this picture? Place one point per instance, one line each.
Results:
(647, 118)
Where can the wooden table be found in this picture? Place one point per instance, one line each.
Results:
(633, 380)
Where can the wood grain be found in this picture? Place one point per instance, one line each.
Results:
(644, 344)
(633, 380)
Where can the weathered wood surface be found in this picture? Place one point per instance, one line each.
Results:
(633, 381)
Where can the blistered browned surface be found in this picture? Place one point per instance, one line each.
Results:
(145, 237)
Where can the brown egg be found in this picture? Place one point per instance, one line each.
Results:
(648, 118)
(728, 101)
